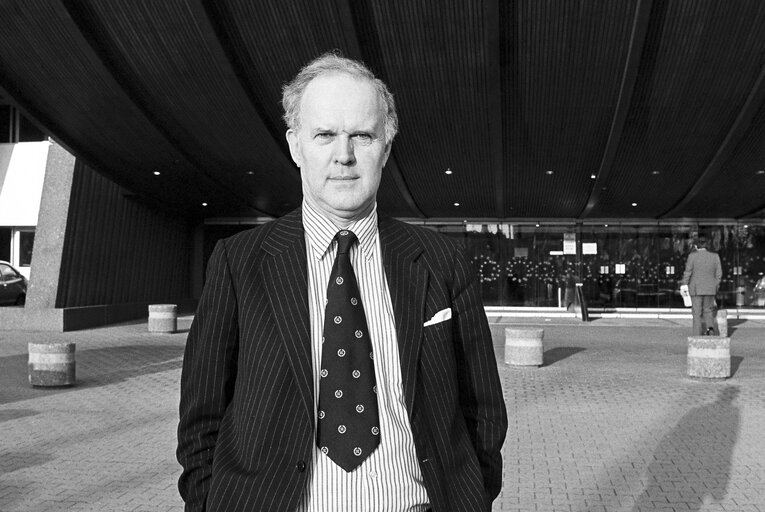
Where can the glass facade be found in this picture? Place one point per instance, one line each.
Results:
(619, 265)
(14, 127)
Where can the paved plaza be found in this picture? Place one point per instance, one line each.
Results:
(610, 422)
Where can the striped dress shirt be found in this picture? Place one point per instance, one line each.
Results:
(389, 480)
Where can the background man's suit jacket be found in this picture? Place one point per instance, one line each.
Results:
(247, 422)
(703, 272)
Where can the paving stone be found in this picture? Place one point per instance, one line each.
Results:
(610, 422)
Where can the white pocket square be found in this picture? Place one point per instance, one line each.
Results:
(444, 314)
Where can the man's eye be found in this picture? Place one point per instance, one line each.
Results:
(324, 138)
(364, 138)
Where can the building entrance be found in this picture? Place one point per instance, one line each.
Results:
(619, 265)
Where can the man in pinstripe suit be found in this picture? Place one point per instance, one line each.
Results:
(248, 413)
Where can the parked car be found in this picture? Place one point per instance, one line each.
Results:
(13, 286)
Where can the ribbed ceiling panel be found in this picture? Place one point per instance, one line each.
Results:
(433, 58)
(737, 189)
(564, 62)
(662, 99)
(700, 62)
(168, 57)
(51, 68)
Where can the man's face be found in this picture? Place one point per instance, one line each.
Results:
(340, 146)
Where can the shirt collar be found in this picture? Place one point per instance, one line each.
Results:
(320, 231)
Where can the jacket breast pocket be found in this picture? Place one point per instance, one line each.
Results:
(438, 334)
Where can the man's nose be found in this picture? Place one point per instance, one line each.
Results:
(344, 150)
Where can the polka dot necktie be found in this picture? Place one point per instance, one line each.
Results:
(349, 427)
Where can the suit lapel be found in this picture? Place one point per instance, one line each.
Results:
(286, 277)
(408, 282)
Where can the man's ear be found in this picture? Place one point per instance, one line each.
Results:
(387, 152)
(294, 143)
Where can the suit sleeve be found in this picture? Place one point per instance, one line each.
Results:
(207, 380)
(718, 271)
(480, 390)
(688, 270)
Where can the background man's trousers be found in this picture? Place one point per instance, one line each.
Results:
(703, 306)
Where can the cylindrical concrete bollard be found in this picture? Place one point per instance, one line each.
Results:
(709, 357)
(51, 364)
(523, 347)
(722, 322)
(740, 292)
(163, 318)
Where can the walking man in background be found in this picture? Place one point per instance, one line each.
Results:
(702, 276)
(340, 361)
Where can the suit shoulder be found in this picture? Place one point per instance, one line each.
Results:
(253, 239)
(427, 237)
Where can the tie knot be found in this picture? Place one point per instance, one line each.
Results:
(345, 240)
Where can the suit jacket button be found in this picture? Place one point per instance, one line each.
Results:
(300, 466)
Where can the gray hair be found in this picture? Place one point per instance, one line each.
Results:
(329, 63)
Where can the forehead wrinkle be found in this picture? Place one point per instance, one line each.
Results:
(332, 106)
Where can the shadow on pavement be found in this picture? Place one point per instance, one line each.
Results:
(733, 324)
(13, 461)
(735, 362)
(554, 355)
(14, 414)
(93, 367)
(692, 462)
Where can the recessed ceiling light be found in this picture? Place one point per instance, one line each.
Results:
(746, 226)
(634, 204)
(549, 172)
(250, 172)
(204, 204)
(605, 225)
(592, 176)
(760, 172)
(448, 171)
(654, 172)
(537, 225)
(156, 173)
(456, 204)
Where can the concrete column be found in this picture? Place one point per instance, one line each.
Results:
(51, 229)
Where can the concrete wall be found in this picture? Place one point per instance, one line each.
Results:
(120, 251)
(100, 255)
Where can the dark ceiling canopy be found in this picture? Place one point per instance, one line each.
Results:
(541, 109)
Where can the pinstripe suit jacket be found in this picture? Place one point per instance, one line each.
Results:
(246, 426)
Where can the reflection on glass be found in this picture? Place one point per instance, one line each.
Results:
(26, 242)
(630, 266)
